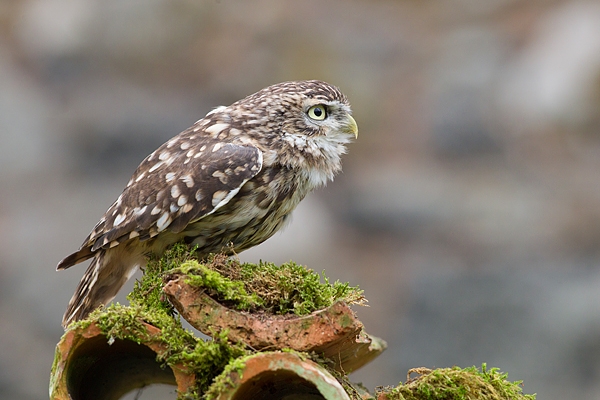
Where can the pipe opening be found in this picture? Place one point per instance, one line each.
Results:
(277, 385)
(99, 371)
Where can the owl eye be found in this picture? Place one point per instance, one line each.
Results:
(318, 112)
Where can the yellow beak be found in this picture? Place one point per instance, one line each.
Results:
(351, 127)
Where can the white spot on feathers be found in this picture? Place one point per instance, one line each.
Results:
(215, 110)
(118, 220)
(198, 195)
(164, 155)
(222, 197)
(156, 166)
(216, 128)
(170, 176)
(222, 177)
(188, 180)
(218, 197)
(139, 178)
(185, 145)
(139, 211)
(133, 234)
(187, 208)
(182, 200)
(163, 222)
(217, 147)
(156, 210)
(175, 192)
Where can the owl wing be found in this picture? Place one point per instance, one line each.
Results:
(184, 180)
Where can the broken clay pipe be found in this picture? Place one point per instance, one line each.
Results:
(89, 366)
(333, 332)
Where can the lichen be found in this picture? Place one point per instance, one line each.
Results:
(457, 384)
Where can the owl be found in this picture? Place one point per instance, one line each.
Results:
(227, 183)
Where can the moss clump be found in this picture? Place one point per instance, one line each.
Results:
(227, 292)
(264, 287)
(457, 384)
(269, 288)
(223, 382)
(147, 292)
(206, 359)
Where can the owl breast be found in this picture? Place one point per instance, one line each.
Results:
(259, 210)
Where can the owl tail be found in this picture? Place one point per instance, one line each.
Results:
(99, 285)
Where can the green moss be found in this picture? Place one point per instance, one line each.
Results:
(54, 374)
(206, 359)
(284, 289)
(458, 384)
(227, 292)
(223, 382)
(265, 287)
(147, 292)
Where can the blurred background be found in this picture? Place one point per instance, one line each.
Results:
(468, 209)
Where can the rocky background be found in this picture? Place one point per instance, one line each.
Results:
(468, 210)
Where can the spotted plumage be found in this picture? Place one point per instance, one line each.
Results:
(229, 182)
